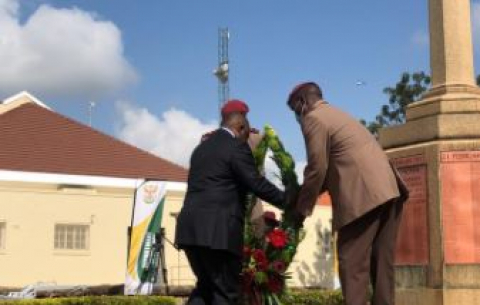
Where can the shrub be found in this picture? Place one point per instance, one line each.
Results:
(313, 297)
(97, 300)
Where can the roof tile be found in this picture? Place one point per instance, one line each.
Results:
(35, 139)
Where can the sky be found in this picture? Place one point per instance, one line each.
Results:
(147, 64)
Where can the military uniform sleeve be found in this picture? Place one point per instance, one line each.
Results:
(317, 144)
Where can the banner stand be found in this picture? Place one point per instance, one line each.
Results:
(146, 253)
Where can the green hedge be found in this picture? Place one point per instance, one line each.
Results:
(296, 297)
(314, 297)
(97, 300)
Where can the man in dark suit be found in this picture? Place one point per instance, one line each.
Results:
(210, 224)
(367, 194)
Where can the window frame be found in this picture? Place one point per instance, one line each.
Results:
(71, 238)
(3, 235)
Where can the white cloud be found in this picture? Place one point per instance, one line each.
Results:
(299, 167)
(172, 136)
(272, 172)
(420, 38)
(60, 51)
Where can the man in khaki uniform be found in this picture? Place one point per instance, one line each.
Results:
(367, 194)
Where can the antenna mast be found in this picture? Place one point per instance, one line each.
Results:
(221, 72)
(91, 105)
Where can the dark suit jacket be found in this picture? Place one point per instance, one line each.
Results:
(222, 170)
(345, 159)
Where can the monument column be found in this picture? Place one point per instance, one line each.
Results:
(437, 151)
(451, 53)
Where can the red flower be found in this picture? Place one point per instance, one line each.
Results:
(259, 255)
(261, 259)
(274, 284)
(278, 238)
(247, 280)
(279, 266)
(247, 252)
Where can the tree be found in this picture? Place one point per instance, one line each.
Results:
(408, 90)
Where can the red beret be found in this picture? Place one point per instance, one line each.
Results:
(234, 106)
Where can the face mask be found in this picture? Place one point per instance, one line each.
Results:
(298, 117)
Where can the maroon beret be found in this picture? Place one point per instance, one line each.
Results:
(270, 218)
(234, 106)
(297, 88)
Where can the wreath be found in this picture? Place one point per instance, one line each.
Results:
(266, 258)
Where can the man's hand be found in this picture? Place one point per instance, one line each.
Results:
(295, 217)
(207, 135)
(291, 196)
(298, 219)
(254, 139)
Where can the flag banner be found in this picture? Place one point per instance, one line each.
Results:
(143, 254)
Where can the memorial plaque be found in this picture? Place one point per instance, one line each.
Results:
(460, 180)
(412, 244)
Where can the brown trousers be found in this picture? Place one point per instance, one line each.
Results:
(366, 251)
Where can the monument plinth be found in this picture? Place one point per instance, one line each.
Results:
(437, 151)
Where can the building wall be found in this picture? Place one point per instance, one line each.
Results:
(30, 212)
(314, 263)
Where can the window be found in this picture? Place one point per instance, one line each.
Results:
(3, 229)
(72, 237)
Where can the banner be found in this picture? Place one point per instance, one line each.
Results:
(143, 260)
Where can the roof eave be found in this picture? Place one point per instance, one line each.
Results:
(19, 99)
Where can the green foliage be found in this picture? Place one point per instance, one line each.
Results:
(283, 159)
(313, 297)
(262, 279)
(97, 300)
(408, 89)
(260, 152)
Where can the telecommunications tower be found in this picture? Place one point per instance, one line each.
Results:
(221, 72)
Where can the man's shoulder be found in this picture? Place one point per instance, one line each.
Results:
(208, 135)
(328, 110)
(219, 141)
(242, 151)
(329, 115)
(216, 135)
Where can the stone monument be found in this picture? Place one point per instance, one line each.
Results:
(437, 151)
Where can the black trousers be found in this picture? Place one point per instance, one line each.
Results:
(218, 276)
(366, 251)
